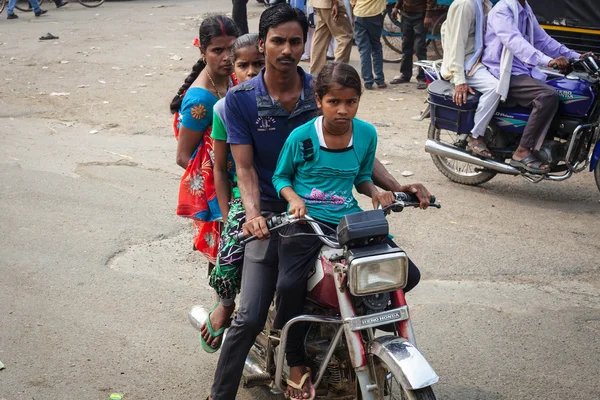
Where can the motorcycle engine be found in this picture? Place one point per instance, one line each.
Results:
(552, 152)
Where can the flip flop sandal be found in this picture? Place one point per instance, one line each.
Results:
(398, 80)
(48, 36)
(300, 386)
(530, 164)
(479, 149)
(207, 348)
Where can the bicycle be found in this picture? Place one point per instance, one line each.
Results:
(26, 7)
(392, 34)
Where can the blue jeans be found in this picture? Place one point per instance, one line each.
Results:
(367, 32)
(13, 3)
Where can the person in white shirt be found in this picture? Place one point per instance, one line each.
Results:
(462, 40)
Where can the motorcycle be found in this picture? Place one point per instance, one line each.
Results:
(572, 143)
(355, 287)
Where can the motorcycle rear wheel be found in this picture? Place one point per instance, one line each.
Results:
(393, 390)
(597, 175)
(457, 171)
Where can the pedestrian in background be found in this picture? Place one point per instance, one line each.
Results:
(331, 21)
(239, 14)
(368, 25)
(416, 18)
(34, 4)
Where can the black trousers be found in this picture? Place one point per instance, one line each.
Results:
(414, 41)
(297, 256)
(543, 99)
(240, 15)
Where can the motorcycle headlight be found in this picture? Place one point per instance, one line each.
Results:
(378, 273)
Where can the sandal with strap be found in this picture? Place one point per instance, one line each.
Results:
(479, 149)
(530, 164)
(300, 386)
(207, 348)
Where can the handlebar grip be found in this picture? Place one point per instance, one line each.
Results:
(239, 237)
(272, 223)
(410, 198)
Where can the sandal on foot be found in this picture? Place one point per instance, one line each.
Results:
(300, 386)
(207, 348)
(399, 80)
(479, 149)
(530, 164)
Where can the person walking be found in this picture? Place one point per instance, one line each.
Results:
(368, 25)
(60, 3)
(332, 21)
(239, 14)
(416, 18)
(34, 4)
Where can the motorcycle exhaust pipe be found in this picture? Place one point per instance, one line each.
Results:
(444, 150)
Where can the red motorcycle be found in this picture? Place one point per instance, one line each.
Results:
(354, 288)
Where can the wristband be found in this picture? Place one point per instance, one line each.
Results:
(253, 218)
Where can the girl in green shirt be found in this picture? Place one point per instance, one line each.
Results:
(320, 164)
(225, 277)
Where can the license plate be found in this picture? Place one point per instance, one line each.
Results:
(382, 318)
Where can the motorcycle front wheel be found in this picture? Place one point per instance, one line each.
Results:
(389, 386)
(457, 171)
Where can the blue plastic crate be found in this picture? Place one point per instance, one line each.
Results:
(445, 114)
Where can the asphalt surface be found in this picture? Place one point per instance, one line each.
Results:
(97, 273)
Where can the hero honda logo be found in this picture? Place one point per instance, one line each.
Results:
(381, 318)
(264, 124)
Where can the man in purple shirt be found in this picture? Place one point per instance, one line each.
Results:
(530, 47)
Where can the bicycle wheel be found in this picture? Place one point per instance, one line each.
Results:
(23, 5)
(91, 3)
(2, 5)
(436, 36)
(392, 38)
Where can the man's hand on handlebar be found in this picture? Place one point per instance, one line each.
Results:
(257, 226)
(383, 198)
(584, 55)
(560, 63)
(420, 191)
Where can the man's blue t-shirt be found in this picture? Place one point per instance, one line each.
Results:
(253, 117)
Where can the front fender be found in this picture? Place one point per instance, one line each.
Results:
(595, 157)
(404, 361)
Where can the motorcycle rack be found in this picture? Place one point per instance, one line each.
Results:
(283, 342)
(357, 323)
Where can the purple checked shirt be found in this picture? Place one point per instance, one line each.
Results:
(502, 31)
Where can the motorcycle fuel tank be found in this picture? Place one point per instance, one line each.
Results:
(576, 96)
(321, 283)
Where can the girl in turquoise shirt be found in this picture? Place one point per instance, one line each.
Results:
(319, 165)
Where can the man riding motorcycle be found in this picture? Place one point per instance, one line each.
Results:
(515, 45)
(462, 40)
(261, 113)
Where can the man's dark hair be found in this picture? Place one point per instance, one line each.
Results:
(280, 14)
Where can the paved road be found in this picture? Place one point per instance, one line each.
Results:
(97, 274)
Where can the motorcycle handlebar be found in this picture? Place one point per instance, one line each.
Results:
(403, 200)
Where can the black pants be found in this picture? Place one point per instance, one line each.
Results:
(529, 92)
(414, 41)
(240, 15)
(297, 256)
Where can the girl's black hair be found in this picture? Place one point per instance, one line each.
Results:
(336, 72)
(280, 14)
(247, 40)
(212, 27)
